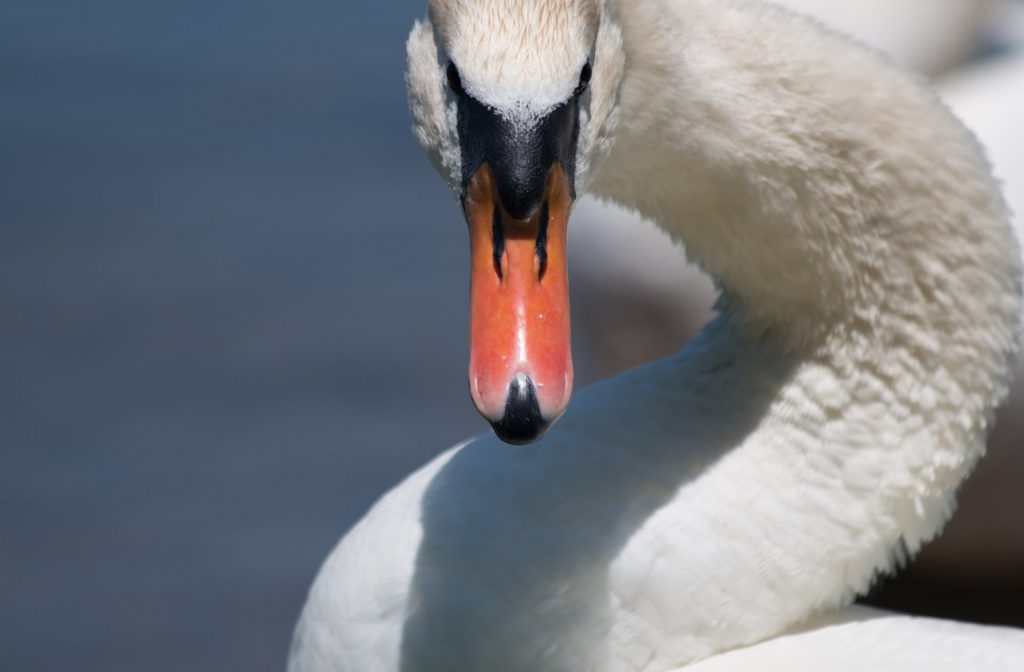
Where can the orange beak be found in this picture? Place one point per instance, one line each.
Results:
(520, 361)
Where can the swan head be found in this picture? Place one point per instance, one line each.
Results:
(514, 101)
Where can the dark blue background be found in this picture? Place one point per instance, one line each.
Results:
(232, 313)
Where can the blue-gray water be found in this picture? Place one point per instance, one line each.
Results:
(233, 302)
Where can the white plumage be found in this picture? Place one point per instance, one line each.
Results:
(626, 262)
(858, 639)
(810, 437)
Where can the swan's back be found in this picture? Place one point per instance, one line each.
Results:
(861, 640)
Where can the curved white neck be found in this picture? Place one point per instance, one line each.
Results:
(814, 181)
(870, 303)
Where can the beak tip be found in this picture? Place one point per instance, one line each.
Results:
(514, 437)
(522, 422)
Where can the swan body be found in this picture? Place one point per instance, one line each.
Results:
(926, 35)
(858, 639)
(810, 437)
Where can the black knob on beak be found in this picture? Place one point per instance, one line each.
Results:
(520, 181)
(521, 151)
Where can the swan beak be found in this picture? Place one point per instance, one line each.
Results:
(520, 362)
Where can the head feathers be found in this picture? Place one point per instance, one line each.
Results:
(517, 55)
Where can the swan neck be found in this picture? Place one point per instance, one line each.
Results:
(828, 196)
(870, 280)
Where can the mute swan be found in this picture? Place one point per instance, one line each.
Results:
(810, 437)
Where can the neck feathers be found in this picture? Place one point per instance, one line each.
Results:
(871, 300)
(832, 196)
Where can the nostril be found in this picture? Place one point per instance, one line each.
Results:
(498, 241)
(522, 422)
(541, 244)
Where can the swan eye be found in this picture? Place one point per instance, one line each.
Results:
(454, 80)
(584, 79)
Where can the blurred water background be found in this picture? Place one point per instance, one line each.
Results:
(232, 313)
